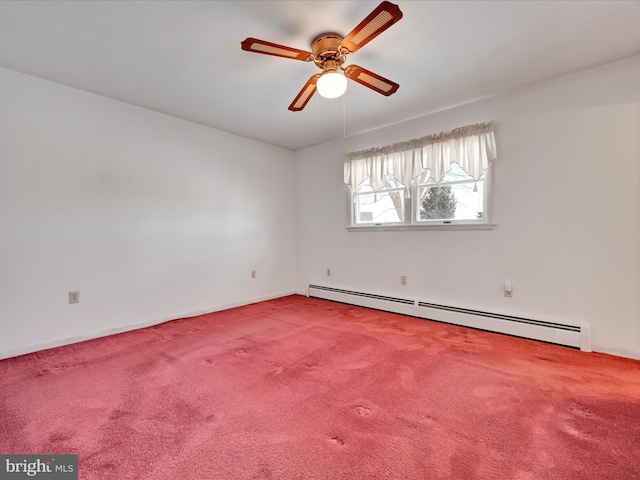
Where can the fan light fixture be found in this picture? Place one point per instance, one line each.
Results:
(332, 84)
(329, 51)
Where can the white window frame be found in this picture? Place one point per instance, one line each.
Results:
(411, 209)
(355, 211)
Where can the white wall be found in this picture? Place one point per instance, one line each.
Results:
(566, 204)
(148, 216)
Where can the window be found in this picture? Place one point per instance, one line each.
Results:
(457, 199)
(385, 206)
(438, 180)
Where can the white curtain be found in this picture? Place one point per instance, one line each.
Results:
(472, 147)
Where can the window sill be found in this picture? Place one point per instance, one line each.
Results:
(408, 228)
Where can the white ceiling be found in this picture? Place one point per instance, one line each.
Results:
(183, 58)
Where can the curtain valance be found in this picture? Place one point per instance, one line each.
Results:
(472, 147)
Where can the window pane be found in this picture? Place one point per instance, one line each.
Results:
(424, 178)
(392, 182)
(454, 174)
(381, 207)
(388, 182)
(452, 202)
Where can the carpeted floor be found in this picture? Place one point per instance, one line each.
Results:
(299, 388)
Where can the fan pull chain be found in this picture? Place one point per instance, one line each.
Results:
(344, 116)
(317, 118)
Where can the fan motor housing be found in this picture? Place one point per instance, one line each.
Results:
(326, 46)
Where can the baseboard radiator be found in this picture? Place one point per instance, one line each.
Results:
(577, 336)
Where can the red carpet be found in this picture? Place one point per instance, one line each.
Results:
(299, 388)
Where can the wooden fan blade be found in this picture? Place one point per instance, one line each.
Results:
(372, 80)
(385, 15)
(268, 48)
(305, 94)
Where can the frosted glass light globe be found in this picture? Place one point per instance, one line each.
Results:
(332, 85)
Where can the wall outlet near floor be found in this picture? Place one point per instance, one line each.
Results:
(508, 289)
(74, 297)
(253, 274)
(403, 280)
(328, 272)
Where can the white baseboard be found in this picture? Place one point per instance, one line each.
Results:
(59, 342)
(577, 336)
(23, 350)
(618, 352)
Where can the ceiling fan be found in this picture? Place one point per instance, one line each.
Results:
(329, 51)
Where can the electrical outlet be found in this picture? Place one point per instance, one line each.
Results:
(508, 289)
(403, 280)
(253, 274)
(328, 272)
(74, 297)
